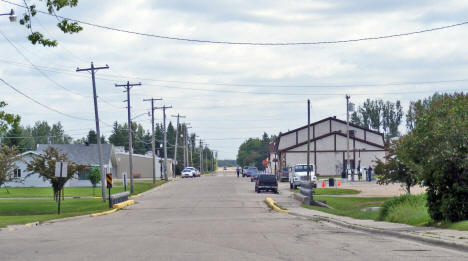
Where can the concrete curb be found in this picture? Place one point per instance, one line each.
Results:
(116, 207)
(124, 204)
(272, 204)
(430, 241)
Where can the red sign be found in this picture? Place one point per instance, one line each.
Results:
(265, 163)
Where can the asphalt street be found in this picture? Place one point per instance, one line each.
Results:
(217, 217)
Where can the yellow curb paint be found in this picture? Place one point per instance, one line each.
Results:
(103, 213)
(124, 204)
(135, 196)
(271, 203)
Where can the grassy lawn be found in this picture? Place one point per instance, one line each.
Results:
(21, 211)
(350, 207)
(406, 209)
(331, 191)
(139, 186)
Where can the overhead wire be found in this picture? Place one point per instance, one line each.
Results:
(42, 104)
(44, 74)
(194, 40)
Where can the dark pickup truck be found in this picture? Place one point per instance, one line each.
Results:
(266, 182)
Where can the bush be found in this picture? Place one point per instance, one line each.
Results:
(407, 209)
(437, 147)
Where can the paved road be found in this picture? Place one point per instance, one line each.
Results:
(208, 218)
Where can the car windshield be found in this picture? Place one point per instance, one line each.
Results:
(303, 168)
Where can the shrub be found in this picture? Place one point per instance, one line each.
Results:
(408, 209)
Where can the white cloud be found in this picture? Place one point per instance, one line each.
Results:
(215, 115)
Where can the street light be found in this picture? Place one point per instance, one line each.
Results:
(12, 15)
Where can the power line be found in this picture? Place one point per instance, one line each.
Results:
(44, 74)
(193, 40)
(41, 104)
(320, 85)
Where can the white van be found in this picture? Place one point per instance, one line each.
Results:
(298, 173)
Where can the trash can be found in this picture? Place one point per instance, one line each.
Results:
(331, 182)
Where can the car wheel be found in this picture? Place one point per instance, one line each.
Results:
(275, 191)
(258, 191)
(290, 186)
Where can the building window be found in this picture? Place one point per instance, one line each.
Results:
(83, 175)
(17, 173)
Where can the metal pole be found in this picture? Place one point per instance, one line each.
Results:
(98, 131)
(308, 140)
(127, 87)
(201, 160)
(153, 142)
(348, 167)
(165, 144)
(185, 145)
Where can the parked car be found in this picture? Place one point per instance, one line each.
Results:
(224, 168)
(196, 172)
(187, 173)
(298, 173)
(284, 174)
(244, 171)
(251, 171)
(266, 182)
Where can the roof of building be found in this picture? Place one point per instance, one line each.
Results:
(330, 134)
(81, 153)
(327, 119)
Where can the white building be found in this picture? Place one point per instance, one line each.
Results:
(115, 160)
(78, 153)
(328, 147)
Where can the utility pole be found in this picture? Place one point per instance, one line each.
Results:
(98, 131)
(152, 136)
(348, 167)
(192, 145)
(308, 140)
(178, 116)
(201, 157)
(185, 145)
(164, 108)
(205, 162)
(127, 87)
(187, 150)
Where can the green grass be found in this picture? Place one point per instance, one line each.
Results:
(462, 225)
(21, 211)
(332, 191)
(350, 207)
(36, 192)
(407, 209)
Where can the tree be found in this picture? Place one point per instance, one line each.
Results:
(94, 176)
(254, 151)
(53, 6)
(395, 168)
(44, 165)
(440, 135)
(8, 157)
(7, 119)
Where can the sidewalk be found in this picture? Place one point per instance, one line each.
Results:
(435, 236)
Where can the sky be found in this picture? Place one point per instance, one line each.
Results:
(229, 93)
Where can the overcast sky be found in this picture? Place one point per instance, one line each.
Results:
(273, 82)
